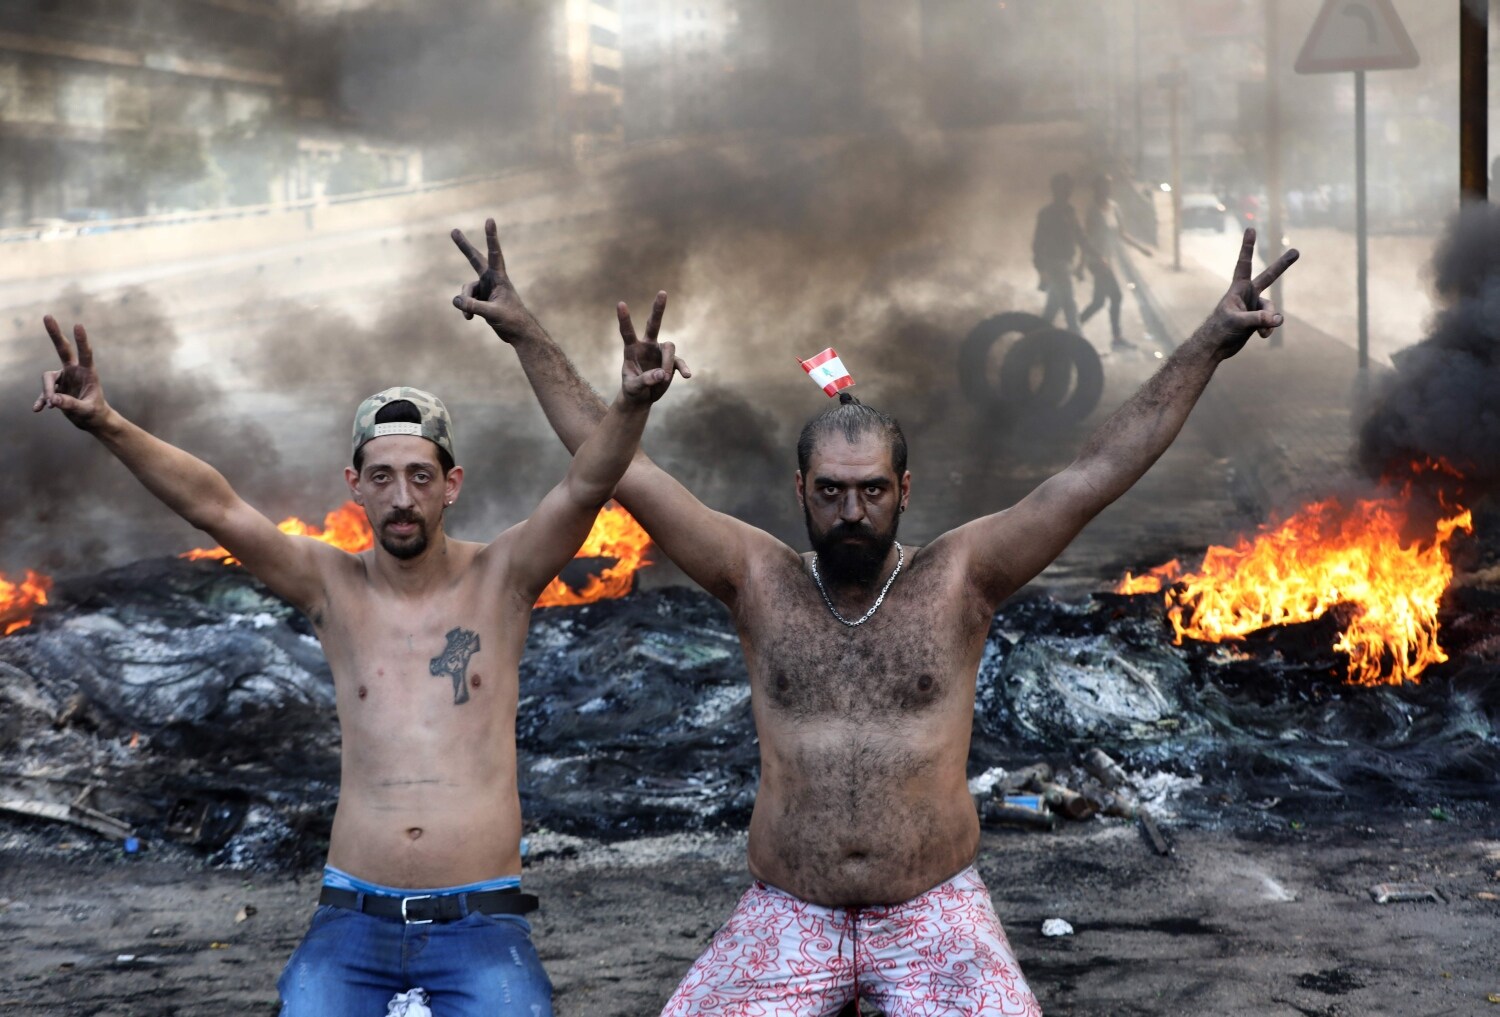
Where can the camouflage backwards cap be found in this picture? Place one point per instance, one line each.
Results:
(436, 425)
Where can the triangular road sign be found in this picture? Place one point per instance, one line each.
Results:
(1356, 35)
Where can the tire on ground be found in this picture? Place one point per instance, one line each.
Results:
(973, 356)
(1072, 378)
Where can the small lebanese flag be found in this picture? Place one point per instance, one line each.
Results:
(827, 370)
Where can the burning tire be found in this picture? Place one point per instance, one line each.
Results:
(1049, 376)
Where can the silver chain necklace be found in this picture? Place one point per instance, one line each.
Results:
(900, 560)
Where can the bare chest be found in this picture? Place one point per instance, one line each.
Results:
(913, 656)
(402, 660)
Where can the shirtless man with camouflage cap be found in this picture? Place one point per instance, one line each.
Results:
(423, 634)
(862, 658)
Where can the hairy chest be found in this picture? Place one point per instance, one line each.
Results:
(913, 656)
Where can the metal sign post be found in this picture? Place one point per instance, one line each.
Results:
(1361, 221)
(1172, 81)
(1358, 36)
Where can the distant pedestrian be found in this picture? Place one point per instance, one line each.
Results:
(1055, 249)
(1104, 231)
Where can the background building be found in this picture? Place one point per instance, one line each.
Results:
(591, 68)
(677, 65)
(114, 109)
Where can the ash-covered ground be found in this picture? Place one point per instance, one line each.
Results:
(182, 700)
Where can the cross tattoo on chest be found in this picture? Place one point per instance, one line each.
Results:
(454, 661)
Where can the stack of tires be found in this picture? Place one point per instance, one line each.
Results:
(1049, 377)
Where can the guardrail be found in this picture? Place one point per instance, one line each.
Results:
(59, 229)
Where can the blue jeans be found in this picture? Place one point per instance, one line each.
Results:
(351, 964)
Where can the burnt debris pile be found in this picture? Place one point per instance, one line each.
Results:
(635, 717)
(179, 702)
(1269, 716)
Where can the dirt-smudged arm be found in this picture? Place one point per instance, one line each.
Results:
(539, 547)
(290, 566)
(714, 549)
(1005, 550)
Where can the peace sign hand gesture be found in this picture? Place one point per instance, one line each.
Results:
(75, 389)
(648, 368)
(1243, 311)
(492, 296)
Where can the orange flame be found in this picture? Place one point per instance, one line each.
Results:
(345, 528)
(1152, 580)
(616, 535)
(1325, 554)
(19, 600)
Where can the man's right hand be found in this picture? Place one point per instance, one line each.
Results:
(491, 296)
(75, 389)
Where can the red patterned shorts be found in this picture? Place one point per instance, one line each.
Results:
(942, 954)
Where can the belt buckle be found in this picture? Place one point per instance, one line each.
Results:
(415, 921)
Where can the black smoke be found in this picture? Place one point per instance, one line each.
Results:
(800, 220)
(1441, 401)
(70, 503)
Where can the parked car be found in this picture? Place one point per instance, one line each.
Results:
(1202, 211)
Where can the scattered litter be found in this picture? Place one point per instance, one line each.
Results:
(1394, 893)
(245, 913)
(130, 960)
(1272, 890)
(1056, 927)
(985, 783)
(1066, 801)
(1099, 763)
(216, 945)
(1493, 997)
(207, 821)
(1034, 797)
(412, 1003)
(1438, 814)
(1028, 812)
(132, 845)
(76, 814)
(1481, 895)
(1159, 842)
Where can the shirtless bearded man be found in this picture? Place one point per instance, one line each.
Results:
(423, 634)
(862, 658)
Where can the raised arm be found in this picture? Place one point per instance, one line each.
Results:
(712, 548)
(1005, 550)
(289, 566)
(538, 548)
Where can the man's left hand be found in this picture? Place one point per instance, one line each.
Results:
(649, 365)
(1244, 311)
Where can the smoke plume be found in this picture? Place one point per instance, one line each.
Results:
(1440, 403)
(71, 503)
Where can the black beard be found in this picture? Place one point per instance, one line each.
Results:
(845, 562)
(416, 544)
(412, 546)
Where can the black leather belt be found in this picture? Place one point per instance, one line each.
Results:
(422, 908)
